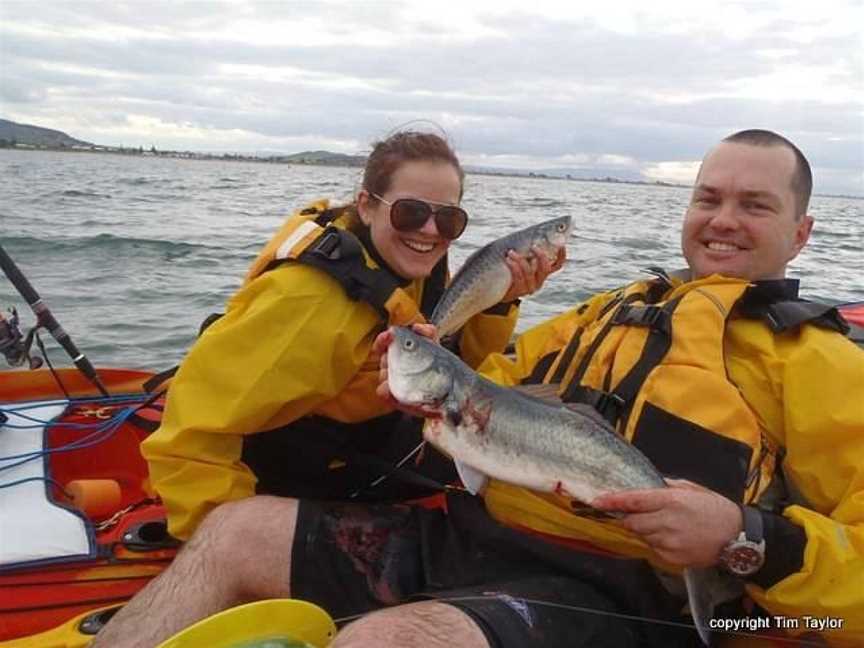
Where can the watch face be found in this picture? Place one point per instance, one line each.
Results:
(743, 558)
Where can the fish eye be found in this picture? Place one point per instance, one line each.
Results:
(561, 227)
(409, 344)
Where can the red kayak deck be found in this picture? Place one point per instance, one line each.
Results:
(131, 542)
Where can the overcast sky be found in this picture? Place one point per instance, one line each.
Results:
(633, 88)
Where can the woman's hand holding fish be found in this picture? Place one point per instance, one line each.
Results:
(685, 524)
(379, 347)
(530, 271)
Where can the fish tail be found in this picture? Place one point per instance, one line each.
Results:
(701, 601)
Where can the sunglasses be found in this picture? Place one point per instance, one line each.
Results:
(410, 214)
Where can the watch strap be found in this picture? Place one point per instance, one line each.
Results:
(754, 526)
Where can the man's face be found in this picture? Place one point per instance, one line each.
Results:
(741, 221)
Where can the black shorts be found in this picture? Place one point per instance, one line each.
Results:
(522, 591)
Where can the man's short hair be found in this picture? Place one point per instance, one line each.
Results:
(802, 178)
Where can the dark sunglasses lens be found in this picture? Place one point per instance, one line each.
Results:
(451, 221)
(407, 215)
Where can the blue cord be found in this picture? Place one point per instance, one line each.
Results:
(42, 479)
(103, 432)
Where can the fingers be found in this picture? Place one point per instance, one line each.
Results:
(685, 484)
(523, 275)
(426, 330)
(521, 270)
(684, 524)
(383, 392)
(543, 268)
(634, 501)
(379, 346)
(529, 272)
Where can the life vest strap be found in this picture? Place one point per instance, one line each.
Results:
(622, 302)
(608, 404)
(777, 303)
(786, 315)
(654, 317)
(339, 254)
(615, 404)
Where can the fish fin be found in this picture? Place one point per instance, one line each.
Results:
(472, 479)
(583, 409)
(583, 510)
(544, 392)
(700, 600)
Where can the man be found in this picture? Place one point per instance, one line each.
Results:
(801, 382)
(785, 403)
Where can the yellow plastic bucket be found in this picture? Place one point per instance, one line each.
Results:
(269, 619)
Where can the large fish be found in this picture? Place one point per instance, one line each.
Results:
(484, 277)
(504, 433)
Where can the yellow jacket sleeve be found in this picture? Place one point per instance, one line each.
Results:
(810, 397)
(289, 342)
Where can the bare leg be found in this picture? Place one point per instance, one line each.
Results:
(429, 624)
(240, 553)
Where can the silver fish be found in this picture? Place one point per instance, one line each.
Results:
(484, 277)
(504, 433)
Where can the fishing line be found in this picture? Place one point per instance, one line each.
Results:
(617, 615)
(396, 467)
(50, 366)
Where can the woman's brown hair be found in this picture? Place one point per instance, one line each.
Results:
(389, 154)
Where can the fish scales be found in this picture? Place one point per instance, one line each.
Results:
(496, 431)
(484, 278)
(529, 442)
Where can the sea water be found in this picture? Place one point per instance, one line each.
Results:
(131, 252)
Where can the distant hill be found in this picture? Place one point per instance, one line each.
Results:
(322, 157)
(36, 135)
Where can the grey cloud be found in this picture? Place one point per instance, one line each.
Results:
(540, 88)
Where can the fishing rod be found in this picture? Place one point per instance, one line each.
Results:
(45, 319)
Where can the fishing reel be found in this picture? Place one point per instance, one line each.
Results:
(15, 346)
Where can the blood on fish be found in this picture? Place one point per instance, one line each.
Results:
(479, 414)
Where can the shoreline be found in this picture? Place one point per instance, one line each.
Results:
(356, 162)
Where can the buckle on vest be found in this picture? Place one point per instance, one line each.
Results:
(640, 316)
(610, 405)
(328, 246)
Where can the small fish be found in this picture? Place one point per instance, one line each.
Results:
(504, 433)
(484, 278)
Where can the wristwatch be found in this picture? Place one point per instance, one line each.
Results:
(745, 555)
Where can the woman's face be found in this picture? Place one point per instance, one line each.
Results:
(411, 255)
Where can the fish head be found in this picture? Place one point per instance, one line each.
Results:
(417, 371)
(552, 235)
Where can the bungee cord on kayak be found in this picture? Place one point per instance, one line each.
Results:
(101, 431)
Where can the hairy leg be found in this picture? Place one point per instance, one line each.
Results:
(240, 553)
(429, 624)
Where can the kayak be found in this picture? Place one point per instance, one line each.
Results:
(81, 527)
(83, 530)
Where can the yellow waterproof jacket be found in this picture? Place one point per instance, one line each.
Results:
(291, 344)
(806, 390)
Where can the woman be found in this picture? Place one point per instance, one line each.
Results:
(278, 395)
